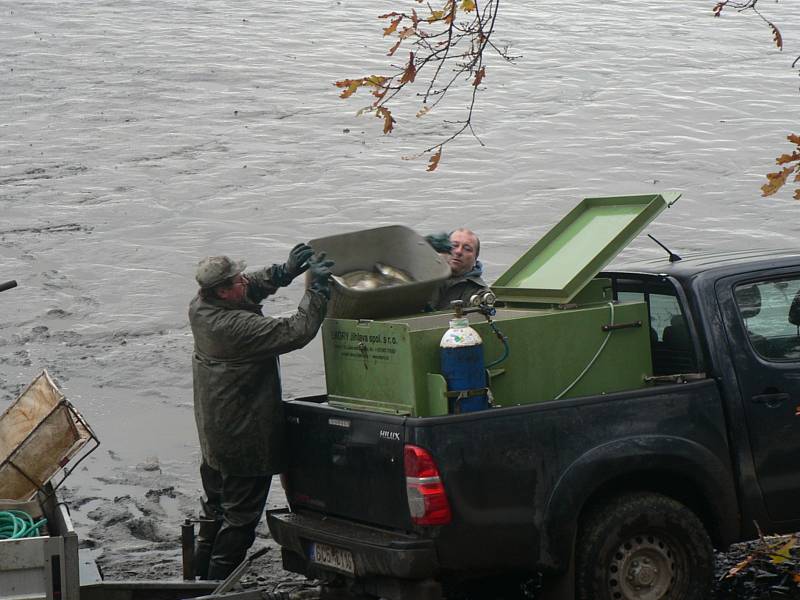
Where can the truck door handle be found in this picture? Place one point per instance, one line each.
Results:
(770, 400)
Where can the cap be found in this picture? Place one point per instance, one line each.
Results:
(213, 270)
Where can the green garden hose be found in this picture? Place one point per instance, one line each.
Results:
(16, 524)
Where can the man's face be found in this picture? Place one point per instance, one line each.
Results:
(464, 253)
(237, 293)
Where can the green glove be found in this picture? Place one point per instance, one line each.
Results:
(439, 242)
(319, 267)
(298, 260)
(296, 264)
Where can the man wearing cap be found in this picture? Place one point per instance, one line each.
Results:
(237, 393)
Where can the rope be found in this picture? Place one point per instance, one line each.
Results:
(17, 524)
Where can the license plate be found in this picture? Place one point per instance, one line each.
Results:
(333, 557)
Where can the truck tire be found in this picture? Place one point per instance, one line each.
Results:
(643, 546)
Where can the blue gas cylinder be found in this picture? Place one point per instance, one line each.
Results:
(461, 355)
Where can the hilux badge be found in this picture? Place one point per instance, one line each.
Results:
(389, 435)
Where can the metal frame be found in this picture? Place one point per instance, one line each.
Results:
(76, 416)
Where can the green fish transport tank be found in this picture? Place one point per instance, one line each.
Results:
(565, 335)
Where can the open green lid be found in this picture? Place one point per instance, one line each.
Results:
(569, 256)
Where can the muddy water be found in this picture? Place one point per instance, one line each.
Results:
(137, 137)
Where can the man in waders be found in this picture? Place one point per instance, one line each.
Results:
(461, 248)
(237, 393)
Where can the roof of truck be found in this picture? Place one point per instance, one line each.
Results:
(695, 264)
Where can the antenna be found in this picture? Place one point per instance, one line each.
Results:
(672, 256)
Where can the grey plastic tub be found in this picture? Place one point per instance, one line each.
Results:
(394, 245)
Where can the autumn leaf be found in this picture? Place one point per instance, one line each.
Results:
(423, 111)
(407, 32)
(392, 26)
(797, 197)
(451, 12)
(740, 566)
(434, 161)
(411, 70)
(350, 85)
(467, 5)
(787, 158)
(375, 80)
(782, 552)
(775, 181)
(794, 138)
(479, 76)
(776, 35)
(718, 8)
(436, 15)
(388, 121)
(394, 48)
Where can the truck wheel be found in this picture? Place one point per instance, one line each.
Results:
(643, 546)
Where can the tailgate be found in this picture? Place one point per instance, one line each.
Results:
(347, 464)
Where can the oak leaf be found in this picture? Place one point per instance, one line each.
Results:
(794, 138)
(350, 85)
(411, 70)
(434, 161)
(775, 181)
(394, 48)
(787, 158)
(479, 76)
(451, 12)
(436, 15)
(783, 551)
(423, 111)
(392, 26)
(388, 121)
(718, 8)
(407, 32)
(467, 5)
(375, 80)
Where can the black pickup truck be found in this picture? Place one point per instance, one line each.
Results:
(614, 496)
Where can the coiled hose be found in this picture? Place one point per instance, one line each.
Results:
(17, 524)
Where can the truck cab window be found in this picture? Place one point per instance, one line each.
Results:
(771, 314)
(670, 340)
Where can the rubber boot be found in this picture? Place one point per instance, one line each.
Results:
(230, 549)
(204, 546)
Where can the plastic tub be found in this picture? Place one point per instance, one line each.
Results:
(393, 245)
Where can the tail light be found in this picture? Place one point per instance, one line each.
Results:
(427, 501)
